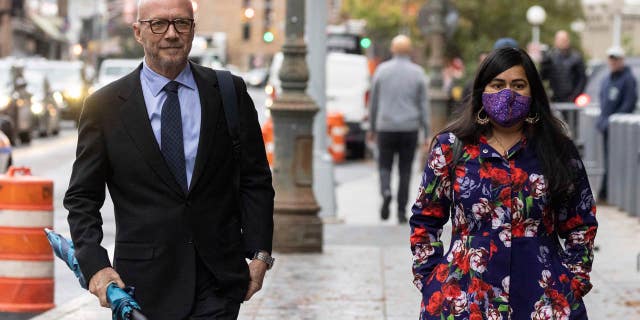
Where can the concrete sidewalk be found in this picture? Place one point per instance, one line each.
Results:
(365, 269)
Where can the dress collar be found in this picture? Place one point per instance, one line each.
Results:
(487, 151)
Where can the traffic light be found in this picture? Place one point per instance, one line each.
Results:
(268, 37)
(365, 42)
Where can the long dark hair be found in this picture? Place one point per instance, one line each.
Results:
(548, 135)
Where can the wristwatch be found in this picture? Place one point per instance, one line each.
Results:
(264, 257)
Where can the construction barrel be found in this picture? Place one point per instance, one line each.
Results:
(26, 259)
(267, 137)
(337, 130)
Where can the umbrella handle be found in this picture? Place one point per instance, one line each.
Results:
(137, 315)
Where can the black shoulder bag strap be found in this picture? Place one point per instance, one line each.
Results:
(230, 105)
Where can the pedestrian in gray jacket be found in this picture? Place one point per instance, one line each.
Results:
(398, 109)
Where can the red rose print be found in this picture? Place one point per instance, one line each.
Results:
(590, 234)
(462, 261)
(442, 272)
(499, 176)
(475, 315)
(492, 248)
(517, 228)
(451, 290)
(505, 197)
(419, 235)
(435, 303)
(576, 287)
(564, 278)
(519, 177)
(575, 221)
(433, 211)
(473, 151)
(485, 170)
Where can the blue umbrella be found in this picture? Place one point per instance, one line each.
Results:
(123, 306)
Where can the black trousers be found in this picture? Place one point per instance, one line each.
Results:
(602, 195)
(391, 144)
(210, 303)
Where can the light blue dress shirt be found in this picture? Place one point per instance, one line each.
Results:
(154, 97)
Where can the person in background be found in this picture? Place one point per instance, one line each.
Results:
(397, 111)
(564, 68)
(618, 94)
(158, 139)
(514, 191)
(505, 42)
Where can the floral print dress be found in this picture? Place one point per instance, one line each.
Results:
(505, 260)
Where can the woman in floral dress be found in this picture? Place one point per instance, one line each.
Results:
(522, 211)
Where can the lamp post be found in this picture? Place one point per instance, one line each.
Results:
(536, 16)
(297, 225)
(431, 20)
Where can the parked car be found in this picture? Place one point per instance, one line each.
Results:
(44, 106)
(256, 77)
(68, 84)
(114, 69)
(347, 92)
(598, 71)
(15, 103)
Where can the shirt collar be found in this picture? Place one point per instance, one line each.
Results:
(157, 81)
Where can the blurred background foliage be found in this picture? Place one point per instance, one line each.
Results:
(480, 24)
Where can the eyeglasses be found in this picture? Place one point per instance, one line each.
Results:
(160, 26)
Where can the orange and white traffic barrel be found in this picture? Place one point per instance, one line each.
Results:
(337, 130)
(267, 137)
(26, 259)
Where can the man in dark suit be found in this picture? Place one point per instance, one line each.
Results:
(159, 140)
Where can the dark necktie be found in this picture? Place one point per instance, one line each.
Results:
(171, 135)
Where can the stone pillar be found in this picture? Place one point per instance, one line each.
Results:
(297, 225)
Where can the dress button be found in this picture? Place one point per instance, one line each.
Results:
(485, 151)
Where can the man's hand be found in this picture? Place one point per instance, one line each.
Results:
(257, 269)
(99, 282)
(371, 137)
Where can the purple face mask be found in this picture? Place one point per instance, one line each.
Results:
(506, 107)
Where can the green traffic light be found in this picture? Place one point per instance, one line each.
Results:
(365, 43)
(268, 37)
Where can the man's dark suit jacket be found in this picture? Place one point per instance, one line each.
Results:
(159, 229)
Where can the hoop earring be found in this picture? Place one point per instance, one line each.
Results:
(480, 120)
(532, 120)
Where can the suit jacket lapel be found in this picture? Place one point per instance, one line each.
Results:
(136, 121)
(210, 105)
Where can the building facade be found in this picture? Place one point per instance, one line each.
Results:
(254, 28)
(33, 28)
(598, 32)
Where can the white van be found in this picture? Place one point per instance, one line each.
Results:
(114, 69)
(348, 84)
(347, 89)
